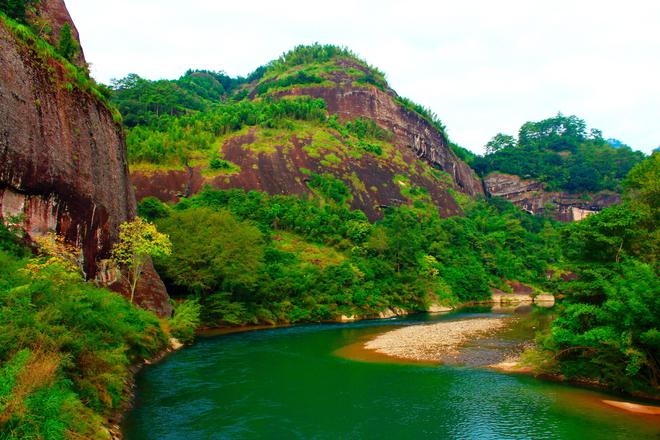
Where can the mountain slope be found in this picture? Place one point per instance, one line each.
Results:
(318, 110)
(556, 168)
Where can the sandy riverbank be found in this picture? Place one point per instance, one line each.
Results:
(434, 342)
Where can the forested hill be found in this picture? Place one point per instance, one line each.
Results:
(563, 154)
(556, 167)
(318, 113)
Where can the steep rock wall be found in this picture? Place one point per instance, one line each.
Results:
(531, 196)
(63, 161)
(411, 131)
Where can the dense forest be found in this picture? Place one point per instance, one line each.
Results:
(255, 258)
(562, 153)
(607, 329)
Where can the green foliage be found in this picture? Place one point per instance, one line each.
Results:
(67, 45)
(173, 140)
(231, 251)
(299, 78)
(212, 250)
(66, 348)
(185, 320)
(559, 152)
(150, 208)
(330, 187)
(219, 164)
(609, 329)
(16, 9)
(138, 242)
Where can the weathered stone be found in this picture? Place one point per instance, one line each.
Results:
(278, 172)
(530, 195)
(63, 162)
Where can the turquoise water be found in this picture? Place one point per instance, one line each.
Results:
(290, 384)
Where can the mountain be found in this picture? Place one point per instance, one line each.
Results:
(317, 117)
(63, 164)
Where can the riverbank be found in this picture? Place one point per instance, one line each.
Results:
(114, 421)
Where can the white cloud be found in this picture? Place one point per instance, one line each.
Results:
(482, 66)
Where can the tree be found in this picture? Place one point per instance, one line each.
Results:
(138, 241)
(68, 46)
(213, 251)
(499, 142)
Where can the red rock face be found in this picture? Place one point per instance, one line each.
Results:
(371, 182)
(63, 162)
(411, 132)
(531, 196)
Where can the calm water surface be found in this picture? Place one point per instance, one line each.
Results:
(290, 383)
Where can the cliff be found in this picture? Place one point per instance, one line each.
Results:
(349, 99)
(531, 196)
(63, 163)
(279, 161)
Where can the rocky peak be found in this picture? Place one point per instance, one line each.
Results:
(352, 90)
(55, 14)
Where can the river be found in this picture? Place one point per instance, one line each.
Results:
(309, 382)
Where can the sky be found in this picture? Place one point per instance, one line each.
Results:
(483, 66)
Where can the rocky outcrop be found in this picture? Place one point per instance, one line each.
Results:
(418, 152)
(531, 196)
(371, 180)
(411, 131)
(63, 161)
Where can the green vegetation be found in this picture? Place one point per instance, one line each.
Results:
(73, 77)
(229, 253)
(608, 327)
(560, 152)
(67, 46)
(66, 347)
(17, 9)
(172, 140)
(138, 242)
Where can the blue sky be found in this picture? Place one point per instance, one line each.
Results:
(483, 66)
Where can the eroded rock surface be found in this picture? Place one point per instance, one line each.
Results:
(530, 195)
(63, 164)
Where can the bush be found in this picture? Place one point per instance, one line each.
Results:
(66, 348)
(185, 320)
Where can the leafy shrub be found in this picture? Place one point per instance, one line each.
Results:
(185, 320)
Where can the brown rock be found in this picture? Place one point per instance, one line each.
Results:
(63, 161)
(55, 13)
(530, 195)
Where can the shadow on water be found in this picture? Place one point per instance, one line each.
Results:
(288, 383)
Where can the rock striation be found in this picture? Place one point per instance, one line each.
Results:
(530, 195)
(63, 163)
(421, 154)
